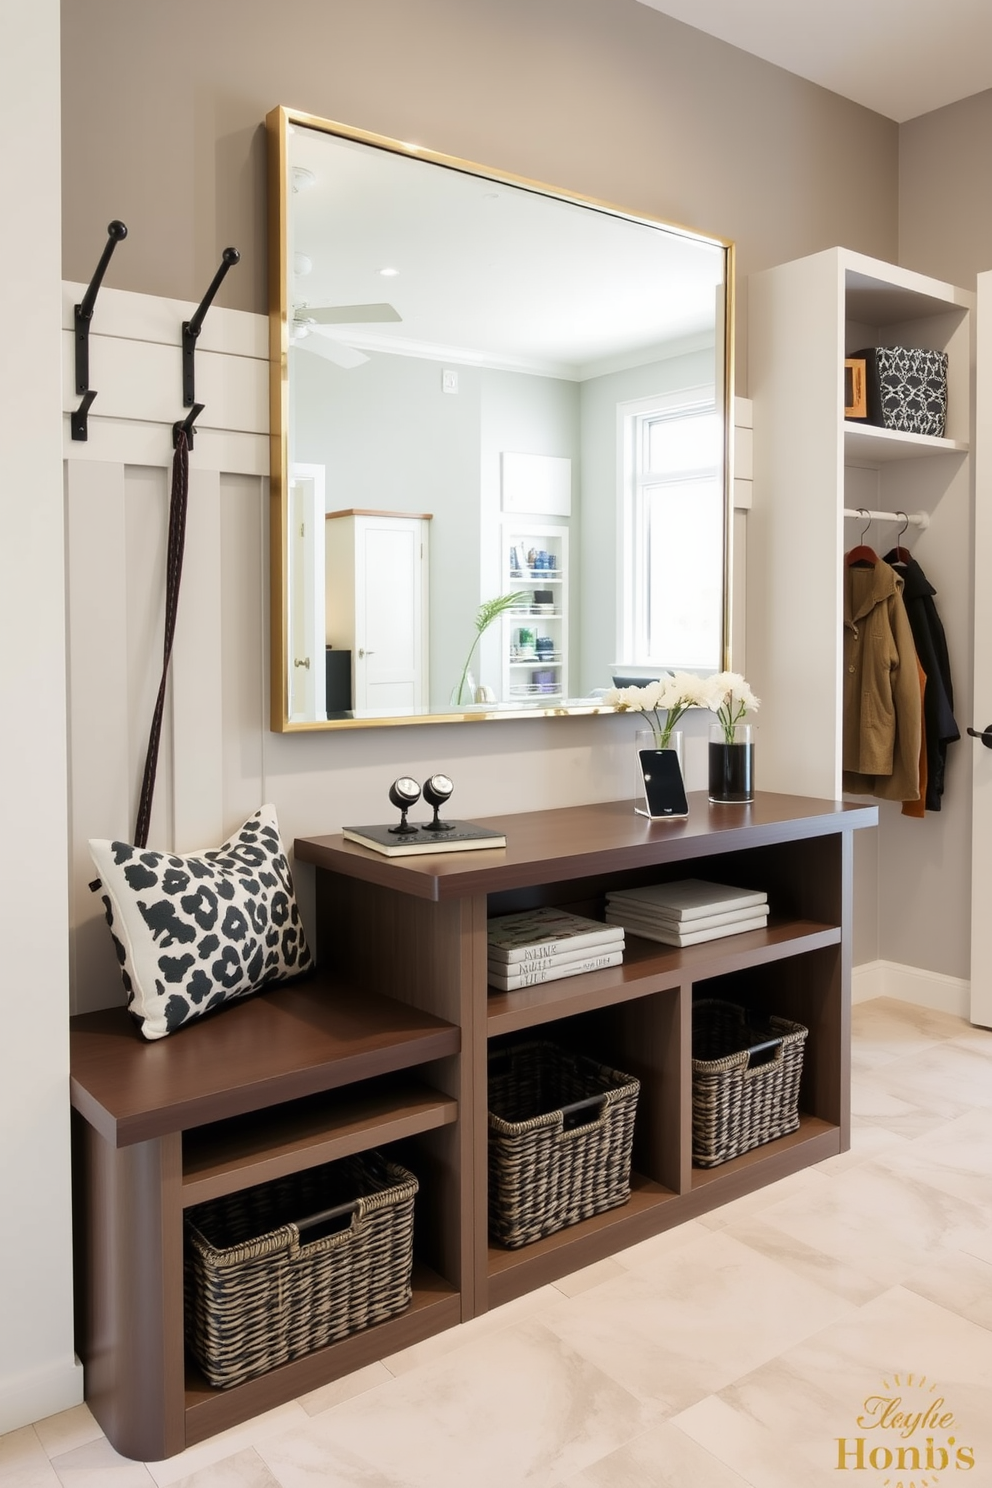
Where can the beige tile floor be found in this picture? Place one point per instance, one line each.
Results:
(736, 1350)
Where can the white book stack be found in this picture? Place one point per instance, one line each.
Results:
(543, 945)
(688, 911)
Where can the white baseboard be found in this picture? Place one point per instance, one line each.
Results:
(930, 989)
(867, 982)
(25, 1398)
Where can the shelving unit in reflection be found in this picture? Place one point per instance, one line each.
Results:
(535, 632)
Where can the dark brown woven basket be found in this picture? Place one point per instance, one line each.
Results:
(560, 1133)
(256, 1296)
(745, 1082)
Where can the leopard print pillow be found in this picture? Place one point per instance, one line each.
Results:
(198, 930)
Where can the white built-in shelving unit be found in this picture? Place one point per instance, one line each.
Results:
(810, 465)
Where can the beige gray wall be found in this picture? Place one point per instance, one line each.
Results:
(945, 229)
(163, 110)
(945, 206)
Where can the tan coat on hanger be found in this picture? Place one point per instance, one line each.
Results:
(882, 708)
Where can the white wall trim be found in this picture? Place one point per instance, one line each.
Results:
(929, 989)
(867, 982)
(39, 1393)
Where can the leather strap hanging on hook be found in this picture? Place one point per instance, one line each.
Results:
(174, 570)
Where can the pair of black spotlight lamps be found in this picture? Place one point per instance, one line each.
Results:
(405, 792)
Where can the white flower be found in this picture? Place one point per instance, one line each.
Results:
(729, 696)
(736, 692)
(665, 699)
(654, 694)
(711, 691)
(688, 689)
(632, 700)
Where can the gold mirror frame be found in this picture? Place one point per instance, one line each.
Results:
(279, 122)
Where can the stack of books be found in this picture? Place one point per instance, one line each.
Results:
(542, 945)
(687, 912)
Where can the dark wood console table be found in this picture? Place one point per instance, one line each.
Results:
(388, 1045)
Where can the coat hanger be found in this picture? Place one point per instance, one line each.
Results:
(899, 557)
(862, 556)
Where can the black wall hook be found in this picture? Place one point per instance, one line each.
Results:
(186, 425)
(78, 417)
(191, 328)
(82, 315)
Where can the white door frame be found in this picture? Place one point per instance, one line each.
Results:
(307, 683)
(981, 712)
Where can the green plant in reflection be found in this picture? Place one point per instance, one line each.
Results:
(488, 611)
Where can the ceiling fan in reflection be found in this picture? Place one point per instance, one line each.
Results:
(307, 331)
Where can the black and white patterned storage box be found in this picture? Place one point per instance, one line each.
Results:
(906, 388)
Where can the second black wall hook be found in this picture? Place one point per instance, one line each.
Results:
(185, 426)
(191, 328)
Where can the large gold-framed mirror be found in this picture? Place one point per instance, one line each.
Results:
(501, 438)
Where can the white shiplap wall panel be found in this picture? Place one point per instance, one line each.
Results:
(135, 442)
(197, 711)
(210, 769)
(146, 525)
(142, 380)
(140, 317)
(99, 726)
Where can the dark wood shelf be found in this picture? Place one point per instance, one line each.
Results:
(434, 1306)
(513, 1272)
(814, 1141)
(246, 1150)
(582, 841)
(652, 1209)
(650, 967)
(277, 1046)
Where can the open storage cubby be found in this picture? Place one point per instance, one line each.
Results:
(284, 1081)
(387, 1048)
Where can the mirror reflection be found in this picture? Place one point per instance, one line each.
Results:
(501, 477)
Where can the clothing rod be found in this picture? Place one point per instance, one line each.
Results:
(915, 519)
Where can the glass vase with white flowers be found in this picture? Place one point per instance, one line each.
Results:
(731, 749)
(664, 701)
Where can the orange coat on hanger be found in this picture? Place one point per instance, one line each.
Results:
(882, 710)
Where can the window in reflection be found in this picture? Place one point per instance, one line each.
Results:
(673, 522)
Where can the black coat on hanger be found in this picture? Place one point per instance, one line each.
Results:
(931, 647)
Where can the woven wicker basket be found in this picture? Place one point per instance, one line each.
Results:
(745, 1082)
(256, 1296)
(560, 1133)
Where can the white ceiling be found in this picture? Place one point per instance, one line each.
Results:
(900, 58)
(484, 272)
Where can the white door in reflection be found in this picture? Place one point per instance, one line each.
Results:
(306, 585)
(377, 606)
